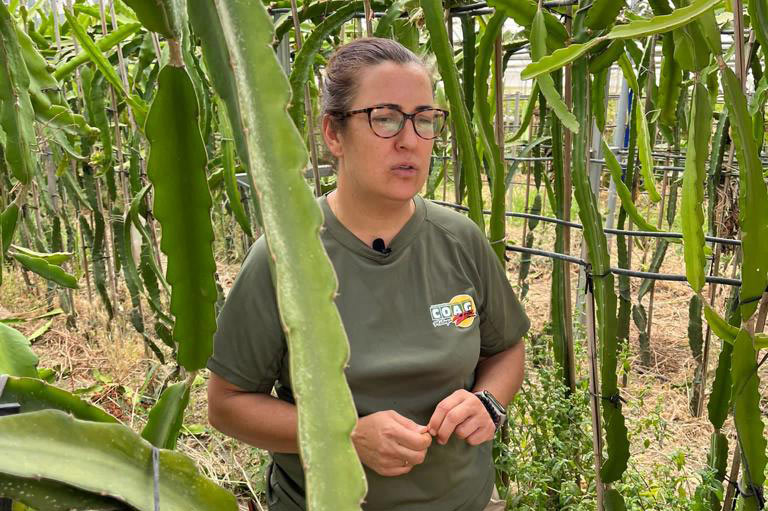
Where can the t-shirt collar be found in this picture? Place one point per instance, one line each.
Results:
(398, 244)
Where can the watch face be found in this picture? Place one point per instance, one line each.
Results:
(493, 400)
(495, 410)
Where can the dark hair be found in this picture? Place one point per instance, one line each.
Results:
(344, 66)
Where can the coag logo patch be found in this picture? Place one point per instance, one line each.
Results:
(460, 311)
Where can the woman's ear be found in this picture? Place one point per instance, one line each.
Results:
(331, 136)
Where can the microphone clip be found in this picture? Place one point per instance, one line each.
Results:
(379, 246)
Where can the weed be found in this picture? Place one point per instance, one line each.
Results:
(550, 458)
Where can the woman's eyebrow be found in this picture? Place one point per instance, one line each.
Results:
(395, 105)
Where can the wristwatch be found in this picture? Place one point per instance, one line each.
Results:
(497, 412)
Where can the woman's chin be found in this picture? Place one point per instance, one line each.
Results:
(401, 193)
(404, 188)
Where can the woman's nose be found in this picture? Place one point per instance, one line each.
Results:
(407, 136)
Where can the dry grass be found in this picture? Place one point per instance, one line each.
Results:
(106, 361)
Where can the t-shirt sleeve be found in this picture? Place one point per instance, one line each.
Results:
(503, 321)
(249, 345)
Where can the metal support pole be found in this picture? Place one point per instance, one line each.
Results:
(741, 72)
(283, 51)
(595, 171)
(659, 223)
(368, 18)
(452, 127)
(498, 54)
(728, 500)
(499, 85)
(618, 141)
(567, 191)
(714, 270)
(597, 148)
(594, 389)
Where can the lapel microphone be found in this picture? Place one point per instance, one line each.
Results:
(379, 246)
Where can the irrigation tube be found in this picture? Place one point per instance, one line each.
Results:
(616, 271)
(619, 271)
(476, 9)
(649, 234)
(603, 169)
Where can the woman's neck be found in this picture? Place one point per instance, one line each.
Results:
(367, 218)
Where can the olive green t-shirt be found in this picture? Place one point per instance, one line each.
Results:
(417, 319)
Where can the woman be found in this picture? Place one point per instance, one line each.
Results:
(429, 312)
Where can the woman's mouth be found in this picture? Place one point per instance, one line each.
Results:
(404, 169)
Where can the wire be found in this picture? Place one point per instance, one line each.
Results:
(544, 253)
(619, 271)
(156, 478)
(649, 234)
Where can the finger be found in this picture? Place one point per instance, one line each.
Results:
(481, 435)
(442, 409)
(408, 423)
(404, 456)
(468, 427)
(452, 419)
(412, 439)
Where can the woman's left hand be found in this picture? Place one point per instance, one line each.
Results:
(464, 414)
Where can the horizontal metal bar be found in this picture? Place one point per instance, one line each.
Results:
(624, 165)
(506, 158)
(359, 14)
(544, 253)
(478, 12)
(593, 160)
(649, 234)
(469, 7)
(674, 278)
(619, 271)
(528, 158)
(560, 3)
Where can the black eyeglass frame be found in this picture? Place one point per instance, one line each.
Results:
(412, 117)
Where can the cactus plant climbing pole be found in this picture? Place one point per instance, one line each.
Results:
(237, 46)
(433, 16)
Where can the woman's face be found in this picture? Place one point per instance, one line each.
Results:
(373, 167)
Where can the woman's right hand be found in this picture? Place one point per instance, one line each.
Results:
(390, 444)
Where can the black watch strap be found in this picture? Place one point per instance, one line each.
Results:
(497, 412)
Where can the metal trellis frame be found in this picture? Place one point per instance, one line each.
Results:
(650, 234)
(619, 271)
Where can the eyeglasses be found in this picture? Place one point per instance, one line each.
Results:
(388, 121)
